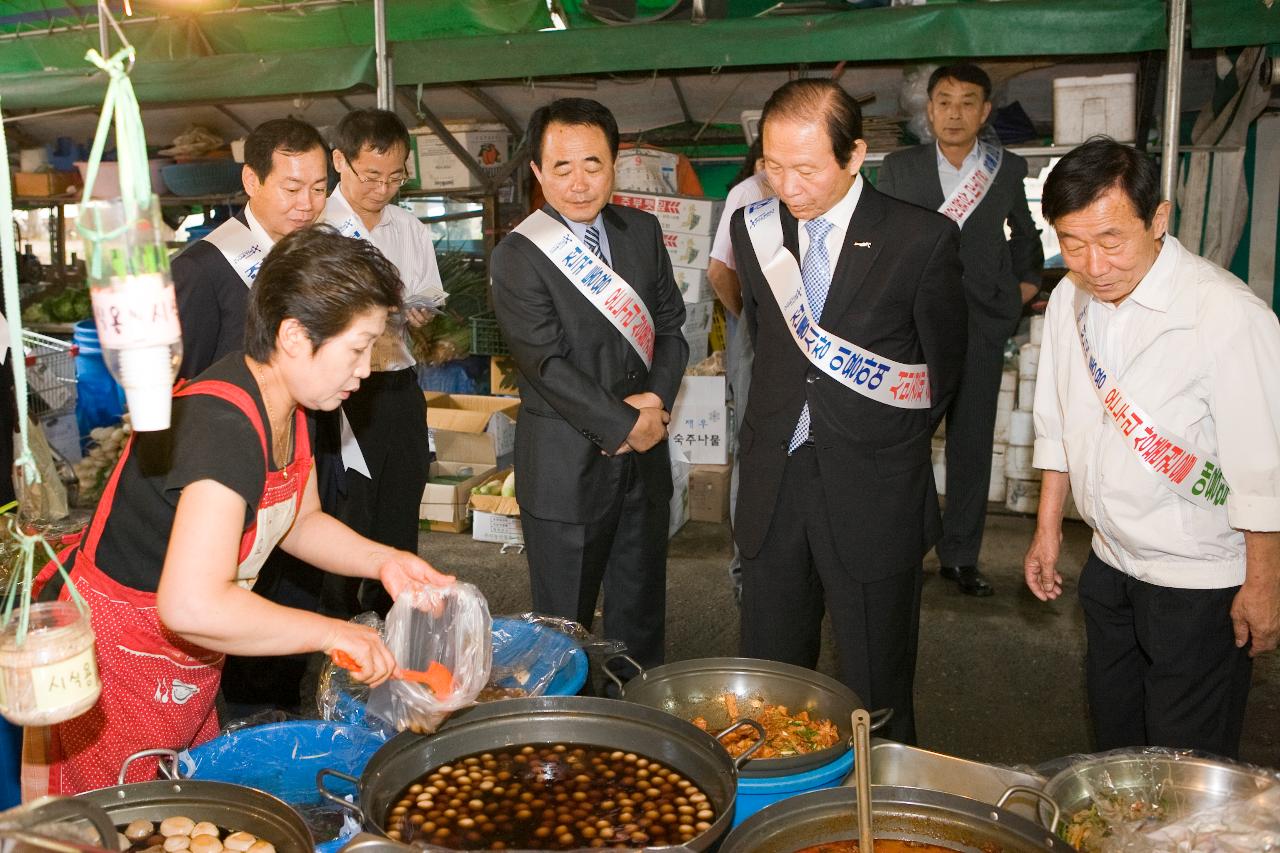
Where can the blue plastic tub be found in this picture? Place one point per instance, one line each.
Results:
(514, 639)
(283, 758)
(754, 793)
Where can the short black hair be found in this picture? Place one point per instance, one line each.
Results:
(965, 72)
(322, 280)
(809, 99)
(379, 130)
(1094, 167)
(579, 111)
(287, 135)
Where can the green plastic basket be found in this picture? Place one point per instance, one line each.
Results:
(486, 336)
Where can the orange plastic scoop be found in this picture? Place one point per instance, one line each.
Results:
(437, 678)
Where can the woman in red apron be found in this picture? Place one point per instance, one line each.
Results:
(169, 559)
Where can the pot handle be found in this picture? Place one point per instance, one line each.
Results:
(171, 771)
(621, 656)
(1037, 794)
(760, 738)
(334, 798)
(56, 809)
(879, 719)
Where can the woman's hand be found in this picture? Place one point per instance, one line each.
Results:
(399, 569)
(361, 644)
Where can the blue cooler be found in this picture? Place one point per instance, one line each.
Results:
(756, 792)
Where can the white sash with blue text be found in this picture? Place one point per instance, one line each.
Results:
(964, 199)
(243, 249)
(607, 291)
(905, 386)
(1180, 466)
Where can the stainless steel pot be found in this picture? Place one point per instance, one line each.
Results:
(233, 807)
(1181, 784)
(911, 814)
(695, 688)
(547, 719)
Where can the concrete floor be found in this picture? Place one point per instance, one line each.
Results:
(1000, 679)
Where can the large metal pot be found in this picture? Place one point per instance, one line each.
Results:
(1181, 784)
(548, 719)
(911, 814)
(695, 688)
(233, 807)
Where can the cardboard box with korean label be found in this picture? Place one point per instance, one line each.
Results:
(698, 317)
(709, 492)
(502, 376)
(472, 428)
(679, 493)
(688, 250)
(496, 503)
(693, 284)
(438, 169)
(700, 420)
(444, 500)
(494, 527)
(699, 348)
(683, 213)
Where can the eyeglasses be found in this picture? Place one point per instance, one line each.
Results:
(393, 182)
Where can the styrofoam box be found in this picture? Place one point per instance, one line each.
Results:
(1028, 361)
(679, 493)
(1009, 380)
(1004, 417)
(699, 348)
(697, 317)
(493, 527)
(1086, 106)
(688, 250)
(700, 420)
(1017, 463)
(438, 169)
(684, 214)
(693, 284)
(1026, 394)
(1022, 495)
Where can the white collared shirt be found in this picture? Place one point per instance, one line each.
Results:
(949, 176)
(838, 216)
(406, 242)
(743, 193)
(579, 230)
(1198, 351)
(255, 228)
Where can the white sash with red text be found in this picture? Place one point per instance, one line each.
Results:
(964, 199)
(602, 286)
(1180, 466)
(905, 386)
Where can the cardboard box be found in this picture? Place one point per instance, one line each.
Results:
(444, 504)
(679, 492)
(492, 527)
(709, 492)
(698, 317)
(699, 348)
(693, 284)
(42, 184)
(471, 428)
(700, 420)
(438, 169)
(685, 214)
(1087, 106)
(688, 250)
(502, 376)
(495, 503)
(646, 170)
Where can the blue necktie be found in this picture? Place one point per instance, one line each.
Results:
(592, 239)
(816, 274)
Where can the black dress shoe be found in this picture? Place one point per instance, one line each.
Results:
(969, 579)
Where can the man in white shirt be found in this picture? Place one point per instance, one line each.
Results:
(385, 450)
(1157, 388)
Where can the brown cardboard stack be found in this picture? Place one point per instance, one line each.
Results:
(472, 436)
(496, 518)
(709, 492)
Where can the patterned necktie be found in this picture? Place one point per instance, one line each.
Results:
(816, 274)
(592, 239)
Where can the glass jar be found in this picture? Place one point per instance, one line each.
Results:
(52, 676)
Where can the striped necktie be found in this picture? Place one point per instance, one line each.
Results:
(592, 239)
(816, 274)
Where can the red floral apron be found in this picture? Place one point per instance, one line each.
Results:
(157, 689)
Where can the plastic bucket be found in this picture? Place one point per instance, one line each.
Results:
(513, 639)
(283, 759)
(754, 793)
(99, 398)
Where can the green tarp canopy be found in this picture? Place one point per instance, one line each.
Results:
(307, 47)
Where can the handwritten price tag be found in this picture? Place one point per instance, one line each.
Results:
(66, 682)
(136, 311)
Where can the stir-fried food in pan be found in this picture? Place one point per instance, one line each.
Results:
(785, 733)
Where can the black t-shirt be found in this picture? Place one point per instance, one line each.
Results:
(209, 439)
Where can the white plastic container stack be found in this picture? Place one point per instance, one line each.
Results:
(1028, 363)
(940, 461)
(1022, 489)
(996, 488)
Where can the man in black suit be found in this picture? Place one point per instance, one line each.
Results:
(588, 305)
(859, 336)
(1000, 274)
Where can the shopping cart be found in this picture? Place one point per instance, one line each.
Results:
(51, 375)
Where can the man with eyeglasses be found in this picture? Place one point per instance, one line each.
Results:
(385, 453)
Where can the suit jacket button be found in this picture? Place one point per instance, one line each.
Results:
(811, 377)
(633, 375)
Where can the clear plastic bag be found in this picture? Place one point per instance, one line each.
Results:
(428, 629)
(1155, 799)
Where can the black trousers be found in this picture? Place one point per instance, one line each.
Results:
(971, 423)
(625, 550)
(1162, 665)
(798, 572)
(388, 415)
